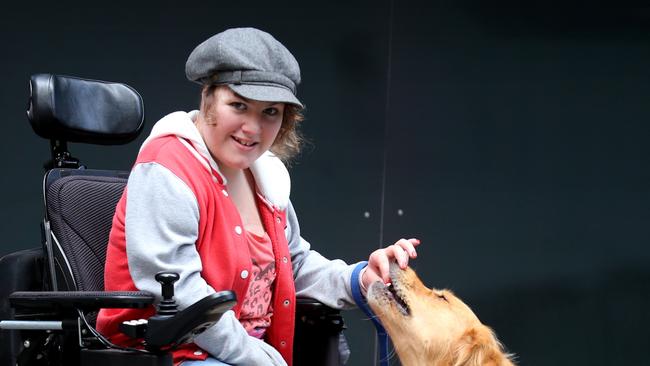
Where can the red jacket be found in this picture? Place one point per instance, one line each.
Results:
(223, 250)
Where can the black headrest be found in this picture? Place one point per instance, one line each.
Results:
(80, 110)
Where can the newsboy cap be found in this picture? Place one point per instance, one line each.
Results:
(251, 62)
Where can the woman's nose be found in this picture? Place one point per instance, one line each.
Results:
(251, 126)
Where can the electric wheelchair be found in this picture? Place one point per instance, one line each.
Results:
(49, 296)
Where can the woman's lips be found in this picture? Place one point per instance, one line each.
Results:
(244, 143)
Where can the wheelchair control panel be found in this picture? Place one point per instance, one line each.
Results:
(170, 327)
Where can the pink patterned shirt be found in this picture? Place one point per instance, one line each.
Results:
(256, 310)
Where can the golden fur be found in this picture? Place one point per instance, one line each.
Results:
(432, 327)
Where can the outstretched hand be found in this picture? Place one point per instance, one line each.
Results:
(378, 262)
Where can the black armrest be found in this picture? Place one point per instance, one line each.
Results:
(82, 300)
(169, 331)
(313, 314)
(72, 109)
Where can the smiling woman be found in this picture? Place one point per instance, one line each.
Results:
(208, 198)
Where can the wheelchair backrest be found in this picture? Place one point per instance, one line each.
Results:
(80, 204)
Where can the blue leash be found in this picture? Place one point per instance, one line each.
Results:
(363, 305)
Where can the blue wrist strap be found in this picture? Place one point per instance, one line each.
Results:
(363, 305)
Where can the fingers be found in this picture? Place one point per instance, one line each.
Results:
(409, 246)
(400, 252)
(379, 262)
(369, 276)
(400, 255)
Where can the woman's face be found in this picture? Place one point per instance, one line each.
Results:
(236, 130)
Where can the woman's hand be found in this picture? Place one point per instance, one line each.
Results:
(377, 269)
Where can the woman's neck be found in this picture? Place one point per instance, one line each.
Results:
(232, 175)
(241, 184)
(242, 191)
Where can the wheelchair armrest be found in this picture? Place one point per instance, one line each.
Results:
(80, 300)
(313, 314)
(170, 331)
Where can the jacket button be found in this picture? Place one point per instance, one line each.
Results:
(225, 193)
(198, 353)
(244, 274)
(283, 343)
(279, 220)
(286, 302)
(284, 260)
(238, 230)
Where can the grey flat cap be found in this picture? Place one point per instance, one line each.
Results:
(251, 62)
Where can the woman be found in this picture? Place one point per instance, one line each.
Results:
(208, 197)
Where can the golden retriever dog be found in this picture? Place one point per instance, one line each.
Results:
(430, 326)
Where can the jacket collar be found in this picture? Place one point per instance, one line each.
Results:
(271, 176)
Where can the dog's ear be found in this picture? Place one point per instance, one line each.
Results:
(479, 347)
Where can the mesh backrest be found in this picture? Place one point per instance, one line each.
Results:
(80, 210)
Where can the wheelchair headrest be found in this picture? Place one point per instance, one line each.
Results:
(72, 109)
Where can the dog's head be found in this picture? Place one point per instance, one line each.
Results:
(430, 326)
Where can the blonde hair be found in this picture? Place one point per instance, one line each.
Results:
(288, 142)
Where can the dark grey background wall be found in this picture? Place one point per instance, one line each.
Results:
(509, 136)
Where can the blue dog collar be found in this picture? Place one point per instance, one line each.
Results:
(363, 305)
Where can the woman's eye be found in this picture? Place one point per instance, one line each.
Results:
(271, 111)
(442, 296)
(238, 106)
